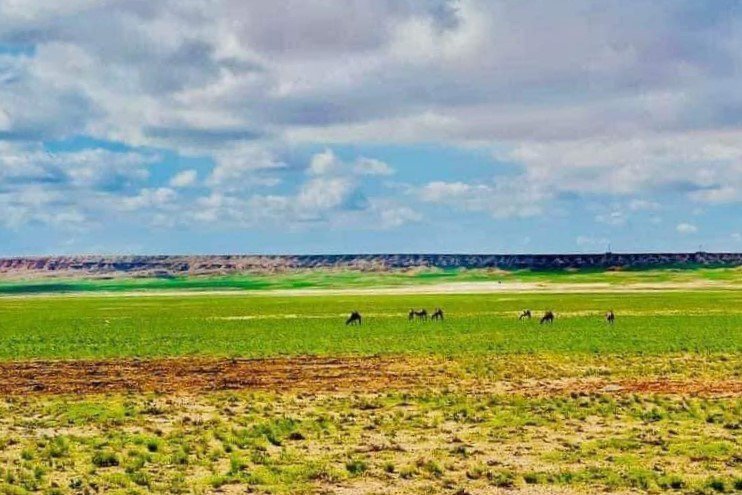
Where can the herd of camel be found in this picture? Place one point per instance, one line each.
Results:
(356, 318)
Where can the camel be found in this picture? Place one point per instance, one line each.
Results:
(547, 318)
(438, 315)
(421, 315)
(525, 314)
(610, 317)
(354, 318)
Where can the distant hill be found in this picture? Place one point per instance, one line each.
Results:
(167, 266)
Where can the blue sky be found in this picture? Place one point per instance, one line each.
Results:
(222, 126)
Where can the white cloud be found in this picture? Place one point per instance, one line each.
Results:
(615, 218)
(87, 168)
(207, 72)
(243, 167)
(686, 228)
(67, 190)
(327, 163)
(186, 178)
(719, 194)
(37, 205)
(708, 164)
(324, 193)
(371, 166)
(161, 197)
(392, 216)
(503, 199)
(602, 107)
(331, 194)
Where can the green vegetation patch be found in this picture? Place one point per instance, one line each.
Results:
(699, 321)
(354, 279)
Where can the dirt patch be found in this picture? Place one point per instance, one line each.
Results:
(204, 374)
(701, 388)
(310, 374)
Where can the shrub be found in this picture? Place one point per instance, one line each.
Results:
(105, 459)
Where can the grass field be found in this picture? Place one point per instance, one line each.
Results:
(480, 403)
(264, 326)
(333, 279)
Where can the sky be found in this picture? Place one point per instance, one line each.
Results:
(369, 126)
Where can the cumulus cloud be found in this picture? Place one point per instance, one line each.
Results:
(38, 205)
(198, 74)
(92, 168)
(581, 99)
(185, 178)
(706, 165)
(327, 163)
(393, 216)
(243, 167)
(66, 189)
(331, 194)
(149, 199)
(507, 198)
(686, 228)
(371, 166)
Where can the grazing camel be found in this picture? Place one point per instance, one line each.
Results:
(610, 317)
(525, 314)
(354, 318)
(420, 315)
(547, 318)
(438, 315)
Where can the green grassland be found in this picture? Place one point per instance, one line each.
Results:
(456, 439)
(343, 279)
(263, 325)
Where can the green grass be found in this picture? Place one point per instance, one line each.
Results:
(260, 326)
(334, 279)
(459, 437)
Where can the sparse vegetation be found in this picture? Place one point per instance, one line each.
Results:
(514, 406)
(594, 442)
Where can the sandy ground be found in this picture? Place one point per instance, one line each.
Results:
(443, 288)
(310, 374)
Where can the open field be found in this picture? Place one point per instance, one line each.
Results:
(266, 393)
(265, 326)
(324, 279)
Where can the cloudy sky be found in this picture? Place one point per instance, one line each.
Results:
(311, 126)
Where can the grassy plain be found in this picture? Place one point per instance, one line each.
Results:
(649, 405)
(334, 279)
(265, 326)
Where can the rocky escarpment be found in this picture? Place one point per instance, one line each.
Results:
(161, 266)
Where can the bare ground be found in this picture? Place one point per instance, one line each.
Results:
(312, 374)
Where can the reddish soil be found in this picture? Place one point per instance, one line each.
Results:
(203, 374)
(310, 374)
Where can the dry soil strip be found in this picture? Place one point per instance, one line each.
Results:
(308, 374)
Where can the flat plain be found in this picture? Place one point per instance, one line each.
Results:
(256, 391)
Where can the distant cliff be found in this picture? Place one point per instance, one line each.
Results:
(163, 266)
